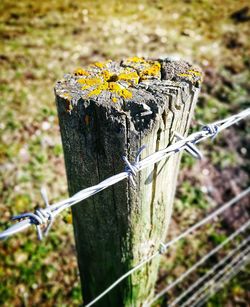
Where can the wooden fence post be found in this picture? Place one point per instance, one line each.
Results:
(107, 111)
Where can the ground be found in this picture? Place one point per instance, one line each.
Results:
(42, 40)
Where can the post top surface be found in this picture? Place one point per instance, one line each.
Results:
(117, 81)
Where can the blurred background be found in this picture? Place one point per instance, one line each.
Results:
(40, 41)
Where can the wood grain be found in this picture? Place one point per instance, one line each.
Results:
(119, 227)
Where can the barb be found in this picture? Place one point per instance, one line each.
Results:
(213, 129)
(40, 217)
(190, 147)
(45, 217)
(200, 262)
(132, 169)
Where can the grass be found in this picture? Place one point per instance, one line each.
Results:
(40, 41)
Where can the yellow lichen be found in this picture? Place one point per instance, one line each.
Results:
(126, 94)
(112, 87)
(85, 87)
(193, 75)
(185, 75)
(99, 64)
(67, 96)
(131, 77)
(95, 92)
(101, 76)
(145, 68)
(153, 71)
(81, 72)
(106, 75)
(116, 82)
(197, 73)
(136, 60)
(90, 81)
(98, 89)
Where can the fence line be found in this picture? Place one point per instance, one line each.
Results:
(46, 216)
(163, 248)
(211, 271)
(225, 278)
(200, 262)
(220, 273)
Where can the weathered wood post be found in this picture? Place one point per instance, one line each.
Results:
(107, 111)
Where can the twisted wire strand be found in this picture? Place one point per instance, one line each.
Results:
(208, 287)
(199, 282)
(164, 247)
(226, 275)
(223, 281)
(205, 276)
(199, 263)
(45, 217)
(208, 218)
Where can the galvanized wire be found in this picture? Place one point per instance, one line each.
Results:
(199, 263)
(46, 216)
(223, 276)
(205, 276)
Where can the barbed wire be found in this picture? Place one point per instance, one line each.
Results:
(164, 247)
(199, 263)
(205, 276)
(46, 216)
(226, 274)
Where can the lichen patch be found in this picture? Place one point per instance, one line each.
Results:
(119, 80)
(116, 78)
(192, 75)
(146, 69)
